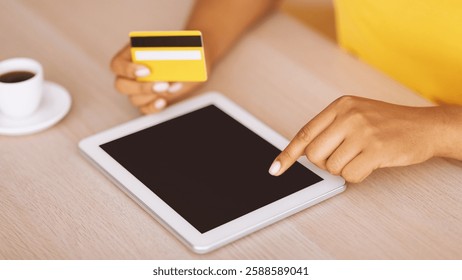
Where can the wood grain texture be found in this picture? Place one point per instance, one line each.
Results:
(56, 205)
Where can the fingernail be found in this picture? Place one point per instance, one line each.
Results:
(160, 103)
(142, 72)
(160, 86)
(275, 167)
(175, 87)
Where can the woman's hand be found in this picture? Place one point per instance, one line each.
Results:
(354, 136)
(222, 23)
(149, 97)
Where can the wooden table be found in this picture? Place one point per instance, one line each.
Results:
(55, 205)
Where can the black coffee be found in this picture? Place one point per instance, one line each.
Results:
(16, 76)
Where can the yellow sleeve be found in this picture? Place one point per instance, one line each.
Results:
(417, 42)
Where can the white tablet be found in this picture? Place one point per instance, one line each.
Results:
(200, 168)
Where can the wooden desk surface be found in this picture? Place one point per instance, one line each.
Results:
(56, 205)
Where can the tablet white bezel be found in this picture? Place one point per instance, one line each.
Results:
(198, 242)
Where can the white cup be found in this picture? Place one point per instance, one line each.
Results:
(21, 98)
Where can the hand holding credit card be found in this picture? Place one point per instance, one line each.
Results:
(170, 55)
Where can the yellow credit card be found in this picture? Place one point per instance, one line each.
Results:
(170, 55)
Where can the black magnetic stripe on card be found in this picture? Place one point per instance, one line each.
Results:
(166, 41)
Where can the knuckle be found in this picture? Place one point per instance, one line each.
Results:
(377, 144)
(354, 176)
(141, 87)
(356, 113)
(313, 156)
(134, 100)
(369, 132)
(356, 116)
(304, 134)
(346, 100)
(287, 155)
(146, 88)
(350, 177)
(333, 166)
(147, 109)
(114, 63)
(122, 86)
(118, 84)
(143, 110)
(354, 180)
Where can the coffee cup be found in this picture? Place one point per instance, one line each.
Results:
(21, 84)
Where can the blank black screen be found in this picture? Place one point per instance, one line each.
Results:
(207, 166)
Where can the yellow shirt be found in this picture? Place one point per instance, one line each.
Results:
(417, 42)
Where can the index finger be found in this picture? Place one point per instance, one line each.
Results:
(296, 148)
(122, 65)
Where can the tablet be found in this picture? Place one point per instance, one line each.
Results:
(200, 168)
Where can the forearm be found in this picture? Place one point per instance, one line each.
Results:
(449, 138)
(222, 22)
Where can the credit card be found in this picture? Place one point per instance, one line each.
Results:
(172, 56)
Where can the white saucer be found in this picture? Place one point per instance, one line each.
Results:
(55, 104)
